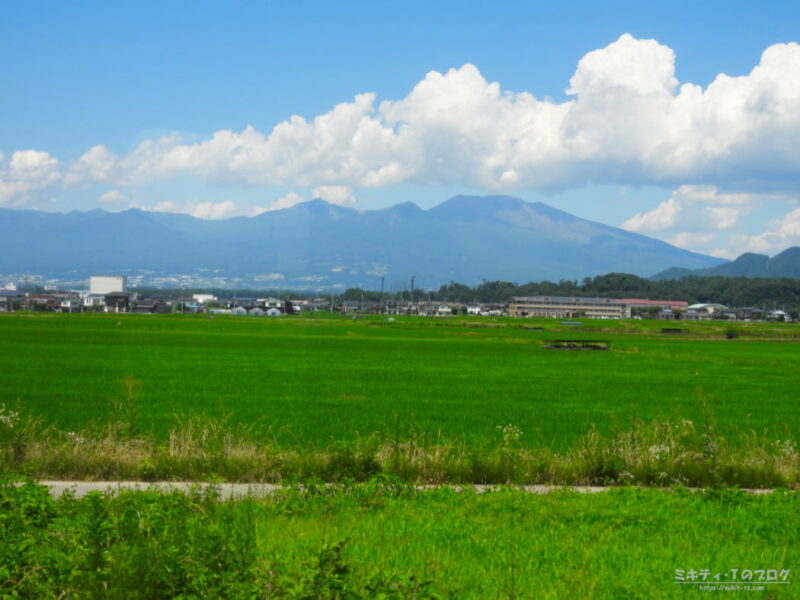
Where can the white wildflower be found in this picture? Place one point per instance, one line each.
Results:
(785, 447)
(511, 433)
(626, 477)
(75, 438)
(8, 417)
(660, 451)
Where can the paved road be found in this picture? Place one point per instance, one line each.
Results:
(259, 490)
(226, 490)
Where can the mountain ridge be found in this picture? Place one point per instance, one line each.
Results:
(784, 265)
(465, 238)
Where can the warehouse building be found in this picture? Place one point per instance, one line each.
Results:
(664, 304)
(562, 307)
(100, 284)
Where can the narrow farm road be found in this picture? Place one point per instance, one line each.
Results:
(228, 491)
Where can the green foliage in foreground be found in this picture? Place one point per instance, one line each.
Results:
(386, 540)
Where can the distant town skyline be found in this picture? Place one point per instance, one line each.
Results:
(679, 121)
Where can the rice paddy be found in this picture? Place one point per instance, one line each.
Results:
(311, 381)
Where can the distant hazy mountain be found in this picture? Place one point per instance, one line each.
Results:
(316, 244)
(786, 265)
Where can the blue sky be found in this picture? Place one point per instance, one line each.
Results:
(112, 106)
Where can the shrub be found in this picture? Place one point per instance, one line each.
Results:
(731, 332)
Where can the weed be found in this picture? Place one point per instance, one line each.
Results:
(408, 544)
(659, 453)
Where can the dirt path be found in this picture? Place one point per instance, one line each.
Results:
(259, 490)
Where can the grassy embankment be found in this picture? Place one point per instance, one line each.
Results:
(464, 400)
(386, 540)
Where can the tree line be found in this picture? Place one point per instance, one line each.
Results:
(731, 291)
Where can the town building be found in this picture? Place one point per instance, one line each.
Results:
(70, 302)
(150, 306)
(11, 300)
(645, 303)
(117, 302)
(779, 315)
(694, 315)
(565, 307)
(41, 302)
(94, 302)
(707, 311)
(102, 285)
(203, 298)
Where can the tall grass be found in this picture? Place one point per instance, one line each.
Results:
(649, 453)
(386, 539)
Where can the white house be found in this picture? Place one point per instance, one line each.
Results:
(443, 311)
(203, 298)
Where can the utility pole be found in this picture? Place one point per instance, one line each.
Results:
(411, 306)
(385, 305)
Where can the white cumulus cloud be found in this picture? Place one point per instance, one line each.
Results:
(689, 239)
(27, 174)
(204, 210)
(335, 194)
(780, 234)
(33, 165)
(628, 121)
(703, 219)
(97, 165)
(112, 197)
(341, 195)
(693, 207)
(287, 201)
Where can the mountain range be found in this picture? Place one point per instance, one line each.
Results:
(783, 265)
(319, 245)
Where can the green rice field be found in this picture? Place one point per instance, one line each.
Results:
(314, 380)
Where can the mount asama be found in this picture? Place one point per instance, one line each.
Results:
(320, 245)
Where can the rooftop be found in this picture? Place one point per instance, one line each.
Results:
(565, 299)
(649, 302)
